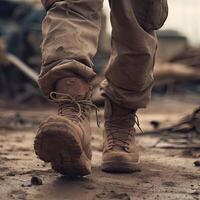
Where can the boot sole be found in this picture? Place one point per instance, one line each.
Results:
(61, 148)
(120, 167)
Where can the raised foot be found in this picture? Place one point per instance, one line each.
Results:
(58, 145)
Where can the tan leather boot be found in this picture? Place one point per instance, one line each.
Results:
(64, 139)
(120, 153)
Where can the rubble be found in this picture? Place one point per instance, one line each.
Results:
(18, 121)
(189, 57)
(197, 163)
(183, 135)
(36, 181)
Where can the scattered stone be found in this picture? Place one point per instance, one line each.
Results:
(101, 195)
(90, 187)
(18, 194)
(196, 193)
(155, 124)
(197, 163)
(26, 185)
(11, 173)
(113, 195)
(36, 180)
(123, 196)
(169, 184)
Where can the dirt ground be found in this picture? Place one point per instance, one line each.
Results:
(166, 172)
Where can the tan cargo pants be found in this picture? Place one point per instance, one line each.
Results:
(71, 31)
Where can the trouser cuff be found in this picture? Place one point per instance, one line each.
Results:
(126, 98)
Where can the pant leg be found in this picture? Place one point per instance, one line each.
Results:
(70, 38)
(129, 76)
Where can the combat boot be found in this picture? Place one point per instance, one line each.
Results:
(120, 151)
(64, 139)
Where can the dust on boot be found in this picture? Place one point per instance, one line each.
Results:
(64, 139)
(120, 152)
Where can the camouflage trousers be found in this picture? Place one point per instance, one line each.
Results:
(71, 31)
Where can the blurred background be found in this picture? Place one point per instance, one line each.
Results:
(177, 64)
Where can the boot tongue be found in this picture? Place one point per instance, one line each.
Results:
(70, 93)
(119, 121)
(73, 86)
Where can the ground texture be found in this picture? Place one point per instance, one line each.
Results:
(167, 170)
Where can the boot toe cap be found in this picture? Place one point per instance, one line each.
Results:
(120, 162)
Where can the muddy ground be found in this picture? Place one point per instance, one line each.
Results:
(166, 172)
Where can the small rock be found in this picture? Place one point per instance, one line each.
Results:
(169, 184)
(36, 180)
(196, 193)
(113, 195)
(197, 163)
(90, 187)
(11, 174)
(122, 196)
(155, 124)
(25, 185)
(101, 195)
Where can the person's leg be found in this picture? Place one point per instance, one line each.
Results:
(129, 76)
(71, 30)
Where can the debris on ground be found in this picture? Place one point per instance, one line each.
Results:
(189, 124)
(197, 163)
(12, 173)
(36, 180)
(166, 174)
(182, 135)
(17, 121)
(113, 195)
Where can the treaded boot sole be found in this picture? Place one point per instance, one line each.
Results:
(116, 166)
(58, 146)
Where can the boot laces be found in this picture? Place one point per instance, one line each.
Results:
(73, 108)
(122, 136)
